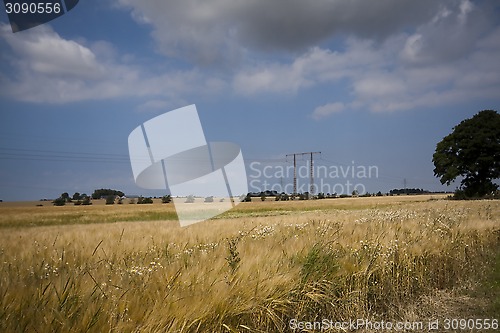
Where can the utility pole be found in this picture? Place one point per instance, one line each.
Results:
(311, 170)
(294, 172)
(311, 173)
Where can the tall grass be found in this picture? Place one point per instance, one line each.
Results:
(243, 274)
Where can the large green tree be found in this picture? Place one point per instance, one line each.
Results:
(471, 151)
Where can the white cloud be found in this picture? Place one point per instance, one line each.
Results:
(465, 8)
(219, 32)
(274, 79)
(446, 54)
(314, 67)
(45, 53)
(403, 72)
(327, 110)
(46, 68)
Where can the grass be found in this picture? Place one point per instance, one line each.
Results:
(251, 270)
(489, 288)
(30, 215)
(493, 284)
(33, 216)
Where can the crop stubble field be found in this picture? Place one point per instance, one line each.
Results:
(129, 268)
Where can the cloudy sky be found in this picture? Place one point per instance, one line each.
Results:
(367, 83)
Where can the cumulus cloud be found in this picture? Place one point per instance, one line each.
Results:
(46, 53)
(220, 31)
(449, 59)
(47, 68)
(271, 79)
(296, 24)
(451, 33)
(316, 66)
(327, 110)
(389, 55)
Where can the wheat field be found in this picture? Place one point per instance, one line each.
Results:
(132, 268)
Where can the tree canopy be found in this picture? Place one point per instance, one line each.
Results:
(105, 192)
(471, 151)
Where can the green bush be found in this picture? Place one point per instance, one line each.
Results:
(110, 200)
(59, 201)
(142, 200)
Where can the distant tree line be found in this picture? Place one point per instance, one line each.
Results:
(84, 199)
(76, 198)
(111, 197)
(408, 191)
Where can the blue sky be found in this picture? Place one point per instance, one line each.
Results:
(367, 83)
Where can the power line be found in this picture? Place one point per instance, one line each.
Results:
(23, 154)
(311, 171)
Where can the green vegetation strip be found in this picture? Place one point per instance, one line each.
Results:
(51, 219)
(15, 218)
(491, 285)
